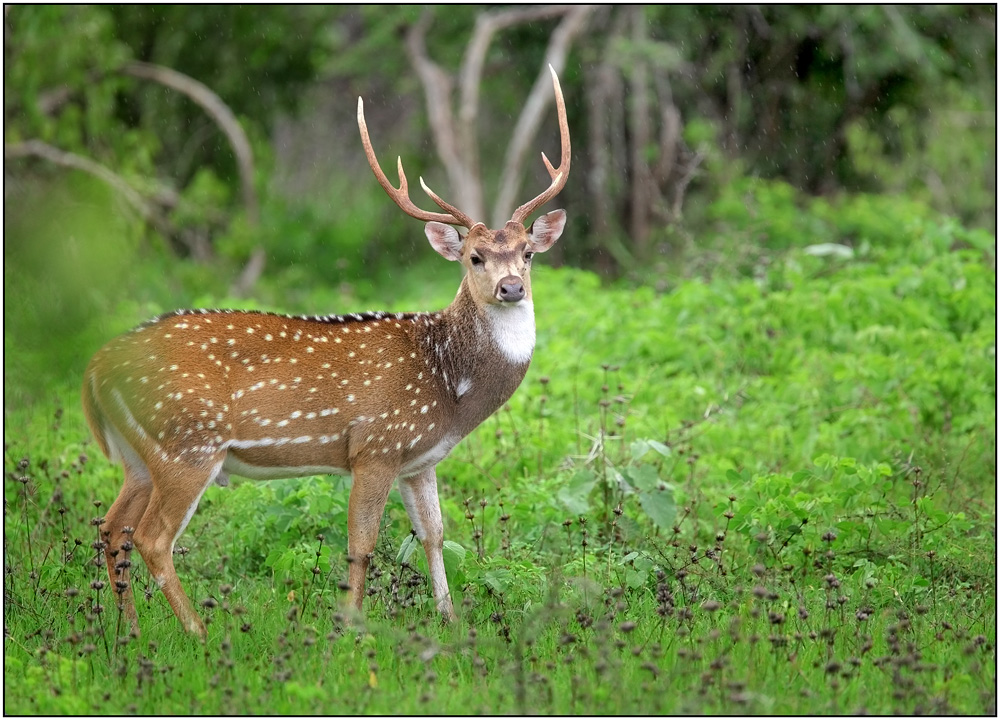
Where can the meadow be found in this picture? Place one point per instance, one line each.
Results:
(766, 486)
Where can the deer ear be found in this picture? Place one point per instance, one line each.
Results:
(546, 229)
(445, 239)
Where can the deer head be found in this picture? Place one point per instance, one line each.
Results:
(497, 262)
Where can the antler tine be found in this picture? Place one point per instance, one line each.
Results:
(401, 195)
(559, 175)
(464, 219)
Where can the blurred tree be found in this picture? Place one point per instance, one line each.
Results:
(455, 133)
(829, 98)
(786, 84)
(70, 86)
(91, 132)
(258, 59)
(668, 105)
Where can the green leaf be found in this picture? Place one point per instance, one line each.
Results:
(575, 495)
(825, 461)
(454, 559)
(406, 549)
(635, 578)
(454, 551)
(659, 505)
(629, 528)
(660, 448)
(639, 448)
(498, 579)
(644, 477)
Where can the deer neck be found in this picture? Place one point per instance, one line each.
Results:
(483, 352)
(503, 330)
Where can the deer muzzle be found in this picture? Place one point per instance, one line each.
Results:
(510, 289)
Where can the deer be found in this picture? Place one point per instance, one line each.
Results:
(188, 398)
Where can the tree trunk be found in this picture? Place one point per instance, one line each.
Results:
(603, 87)
(641, 134)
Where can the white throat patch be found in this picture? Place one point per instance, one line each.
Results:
(513, 329)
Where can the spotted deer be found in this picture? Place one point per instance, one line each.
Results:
(194, 395)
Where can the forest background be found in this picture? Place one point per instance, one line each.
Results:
(681, 117)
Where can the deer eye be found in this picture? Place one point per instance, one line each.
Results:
(476, 260)
(528, 255)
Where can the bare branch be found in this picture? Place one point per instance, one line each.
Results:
(218, 111)
(680, 188)
(534, 109)
(37, 148)
(437, 87)
(470, 75)
(49, 101)
(250, 273)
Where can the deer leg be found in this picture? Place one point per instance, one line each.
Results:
(369, 492)
(420, 496)
(120, 522)
(173, 502)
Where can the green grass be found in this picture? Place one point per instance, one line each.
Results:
(760, 492)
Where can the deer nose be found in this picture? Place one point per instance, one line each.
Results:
(510, 289)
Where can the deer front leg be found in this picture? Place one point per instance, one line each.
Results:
(420, 496)
(369, 492)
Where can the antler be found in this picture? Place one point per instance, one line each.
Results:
(559, 175)
(401, 196)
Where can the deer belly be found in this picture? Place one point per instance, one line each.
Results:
(270, 459)
(430, 457)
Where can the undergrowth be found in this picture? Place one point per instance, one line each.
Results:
(765, 491)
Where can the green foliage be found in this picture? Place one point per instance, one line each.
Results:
(76, 79)
(874, 97)
(947, 159)
(289, 516)
(57, 281)
(258, 60)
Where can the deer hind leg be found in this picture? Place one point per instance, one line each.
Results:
(369, 491)
(420, 497)
(120, 522)
(174, 499)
